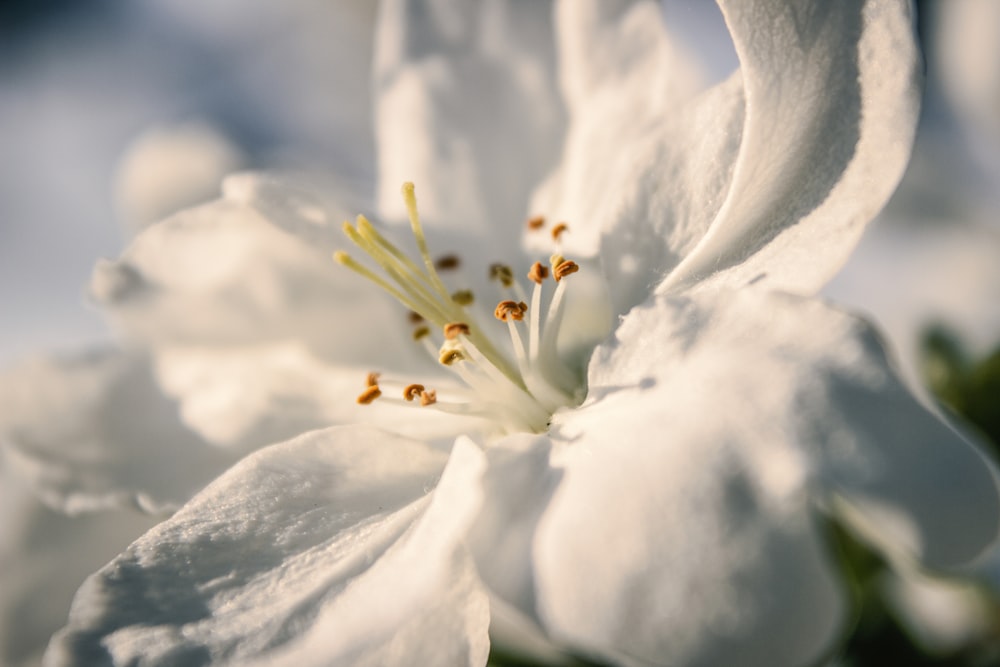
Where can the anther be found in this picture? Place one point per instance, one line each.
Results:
(510, 309)
(463, 297)
(503, 273)
(428, 397)
(372, 379)
(414, 317)
(412, 391)
(564, 268)
(447, 263)
(448, 357)
(453, 330)
(538, 273)
(369, 394)
(421, 332)
(558, 230)
(536, 222)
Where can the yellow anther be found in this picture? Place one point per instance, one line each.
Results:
(429, 397)
(412, 391)
(448, 357)
(538, 273)
(453, 330)
(536, 222)
(503, 273)
(463, 297)
(510, 309)
(559, 230)
(447, 263)
(369, 395)
(420, 332)
(564, 268)
(372, 379)
(414, 317)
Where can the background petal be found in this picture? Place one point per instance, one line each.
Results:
(682, 529)
(466, 108)
(272, 548)
(95, 431)
(37, 578)
(832, 100)
(220, 273)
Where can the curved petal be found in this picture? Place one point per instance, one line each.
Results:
(832, 100)
(466, 108)
(44, 557)
(331, 540)
(220, 273)
(95, 432)
(682, 529)
(646, 162)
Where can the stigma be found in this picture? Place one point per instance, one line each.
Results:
(508, 366)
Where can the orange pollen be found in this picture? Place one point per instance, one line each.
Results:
(420, 332)
(448, 357)
(510, 309)
(429, 397)
(369, 394)
(536, 222)
(564, 268)
(372, 379)
(447, 263)
(453, 330)
(503, 273)
(412, 391)
(558, 230)
(538, 273)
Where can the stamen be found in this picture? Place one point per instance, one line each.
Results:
(538, 273)
(448, 357)
(369, 394)
(447, 263)
(515, 396)
(463, 297)
(412, 391)
(503, 273)
(564, 268)
(453, 330)
(513, 309)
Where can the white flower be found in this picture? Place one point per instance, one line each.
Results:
(673, 515)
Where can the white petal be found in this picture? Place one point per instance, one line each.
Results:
(310, 206)
(170, 168)
(44, 557)
(646, 164)
(466, 108)
(221, 273)
(95, 432)
(288, 541)
(244, 397)
(681, 530)
(832, 99)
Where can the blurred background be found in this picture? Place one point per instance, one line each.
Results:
(102, 102)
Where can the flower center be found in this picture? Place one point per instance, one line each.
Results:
(518, 383)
